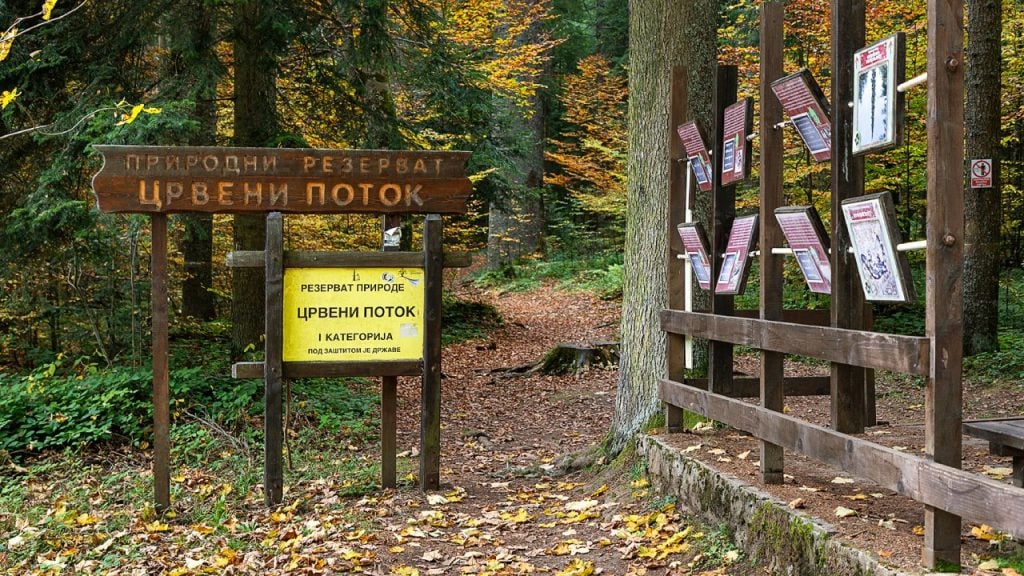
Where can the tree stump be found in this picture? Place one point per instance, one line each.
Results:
(577, 358)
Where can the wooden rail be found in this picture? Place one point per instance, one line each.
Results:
(907, 354)
(933, 484)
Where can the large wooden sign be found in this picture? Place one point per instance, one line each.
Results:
(161, 179)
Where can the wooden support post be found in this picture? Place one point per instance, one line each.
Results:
(772, 384)
(389, 391)
(847, 409)
(676, 343)
(273, 425)
(723, 210)
(161, 367)
(430, 415)
(944, 291)
(388, 431)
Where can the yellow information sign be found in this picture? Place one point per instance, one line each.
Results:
(353, 314)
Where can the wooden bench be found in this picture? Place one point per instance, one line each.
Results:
(1005, 438)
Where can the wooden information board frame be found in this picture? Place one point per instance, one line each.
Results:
(158, 180)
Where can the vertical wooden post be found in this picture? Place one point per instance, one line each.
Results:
(273, 426)
(389, 396)
(161, 367)
(430, 415)
(676, 343)
(772, 393)
(723, 210)
(847, 409)
(944, 291)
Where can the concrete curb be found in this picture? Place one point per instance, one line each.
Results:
(766, 529)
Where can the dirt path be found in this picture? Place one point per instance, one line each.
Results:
(497, 513)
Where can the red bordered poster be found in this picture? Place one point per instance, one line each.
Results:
(696, 148)
(732, 278)
(805, 104)
(695, 242)
(806, 236)
(737, 124)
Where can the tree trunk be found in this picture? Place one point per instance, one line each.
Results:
(982, 206)
(515, 224)
(200, 61)
(255, 52)
(662, 34)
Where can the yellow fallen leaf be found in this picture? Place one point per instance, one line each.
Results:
(841, 480)
(989, 565)
(857, 496)
(577, 568)
(986, 533)
(202, 529)
(641, 483)
(919, 530)
(7, 97)
(405, 571)
(844, 512)
(86, 519)
(436, 499)
(157, 526)
(48, 8)
(599, 491)
(518, 518)
(732, 556)
(6, 41)
(996, 473)
(1010, 572)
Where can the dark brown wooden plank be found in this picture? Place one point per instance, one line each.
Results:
(1009, 433)
(148, 179)
(290, 370)
(809, 317)
(388, 431)
(906, 354)
(273, 424)
(351, 259)
(847, 409)
(676, 284)
(750, 387)
(937, 485)
(723, 210)
(430, 416)
(944, 286)
(772, 388)
(161, 367)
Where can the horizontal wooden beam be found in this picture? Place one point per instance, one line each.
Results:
(352, 259)
(962, 493)
(750, 386)
(252, 370)
(809, 317)
(906, 354)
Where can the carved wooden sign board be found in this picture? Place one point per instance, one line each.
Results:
(164, 179)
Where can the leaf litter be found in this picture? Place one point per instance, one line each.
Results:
(497, 513)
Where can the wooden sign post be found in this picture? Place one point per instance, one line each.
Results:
(158, 180)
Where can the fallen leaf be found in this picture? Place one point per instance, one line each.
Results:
(694, 448)
(989, 565)
(843, 512)
(1010, 572)
(716, 451)
(919, 530)
(986, 533)
(580, 505)
(857, 496)
(436, 499)
(796, 503)
(998, 473)
(433, 556)
(841, 480)
(743, 455)
(405, 571)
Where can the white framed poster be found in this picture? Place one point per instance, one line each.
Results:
(695, 243)
(884, 272)
(732, 278)
(877, 105)
(809, 241)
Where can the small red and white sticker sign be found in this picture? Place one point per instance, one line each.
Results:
(981, 173)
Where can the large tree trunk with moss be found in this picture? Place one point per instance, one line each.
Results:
(662, 34)
(255, 51)
(982, 206)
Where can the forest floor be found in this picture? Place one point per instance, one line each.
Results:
(499, 511)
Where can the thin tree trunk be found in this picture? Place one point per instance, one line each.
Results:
(982, 206)
(662, 34)
(255, 125)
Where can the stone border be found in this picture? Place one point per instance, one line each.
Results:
(785, 540)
